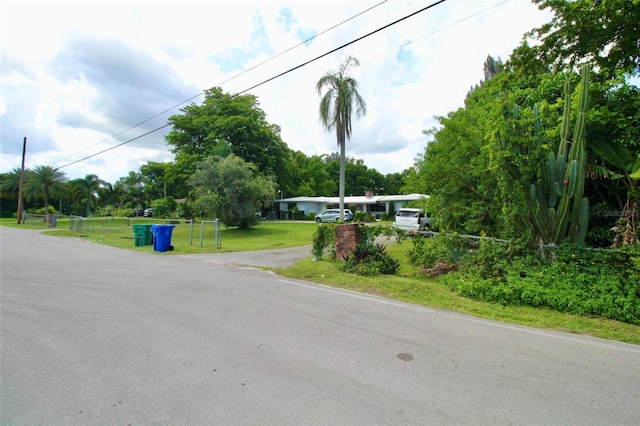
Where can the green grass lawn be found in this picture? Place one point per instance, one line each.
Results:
(185, 239)
(405, 286)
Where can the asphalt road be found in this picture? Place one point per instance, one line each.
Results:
(94, 335)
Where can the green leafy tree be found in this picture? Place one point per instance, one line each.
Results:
(359, 179)
(232, 190)
(394, 183)
(337, 105)
(155, 181)
(603, 32)
(228, 124)
(312, 176)
(180, 171)
(460, 168)
(45, 183)
(456, 168)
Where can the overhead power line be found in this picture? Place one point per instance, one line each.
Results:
(432, 5)
(224, 82)
(114, 147)
(344, 45)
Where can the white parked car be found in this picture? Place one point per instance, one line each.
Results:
(411, 220)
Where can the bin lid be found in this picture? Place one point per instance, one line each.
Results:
(159, 226)
(141, 226)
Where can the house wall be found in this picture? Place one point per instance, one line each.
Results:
(307, 206)
(398, 205)
(374, 205)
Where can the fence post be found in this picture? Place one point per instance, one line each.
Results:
(218, 245)
(109, 225)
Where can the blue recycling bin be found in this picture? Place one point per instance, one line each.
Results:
(162, 237)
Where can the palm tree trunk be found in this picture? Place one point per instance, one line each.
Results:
(46, 201)
(342, 180)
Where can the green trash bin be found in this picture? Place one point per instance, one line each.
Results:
(142, 235)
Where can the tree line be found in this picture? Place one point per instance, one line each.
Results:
(486, 167)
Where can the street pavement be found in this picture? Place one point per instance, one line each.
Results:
(95, 335)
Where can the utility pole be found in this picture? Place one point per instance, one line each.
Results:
(21, 184)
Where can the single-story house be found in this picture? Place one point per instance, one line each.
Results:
(373, 204)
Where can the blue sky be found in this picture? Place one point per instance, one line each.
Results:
(86, 76)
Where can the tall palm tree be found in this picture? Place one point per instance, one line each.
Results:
(133, 184)
(9, 184)
(336, 108)
(10, 192)
(44, 182)
(111, 195)
(87, 189)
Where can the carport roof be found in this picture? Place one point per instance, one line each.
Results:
(358, 199)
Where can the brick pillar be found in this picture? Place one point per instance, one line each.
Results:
(347, 237)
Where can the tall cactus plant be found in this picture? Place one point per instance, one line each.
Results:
(557, 208)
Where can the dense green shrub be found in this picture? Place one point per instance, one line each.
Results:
(588, 282)
(387, 216)
(371, 232)
(493, 258)
(369, 260)
(41, 210)
(298, 214)
(363, 217)
(105, 211)
(390, 214)
(164, 207)
(115, 212)
(426, 252)
(324, 238)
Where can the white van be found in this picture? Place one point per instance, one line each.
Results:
(411, 220)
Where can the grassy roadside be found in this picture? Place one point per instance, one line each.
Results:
(403, 287)
(427, 292)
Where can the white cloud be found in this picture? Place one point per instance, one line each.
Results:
(78, 72)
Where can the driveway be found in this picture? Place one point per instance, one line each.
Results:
(277, 258)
